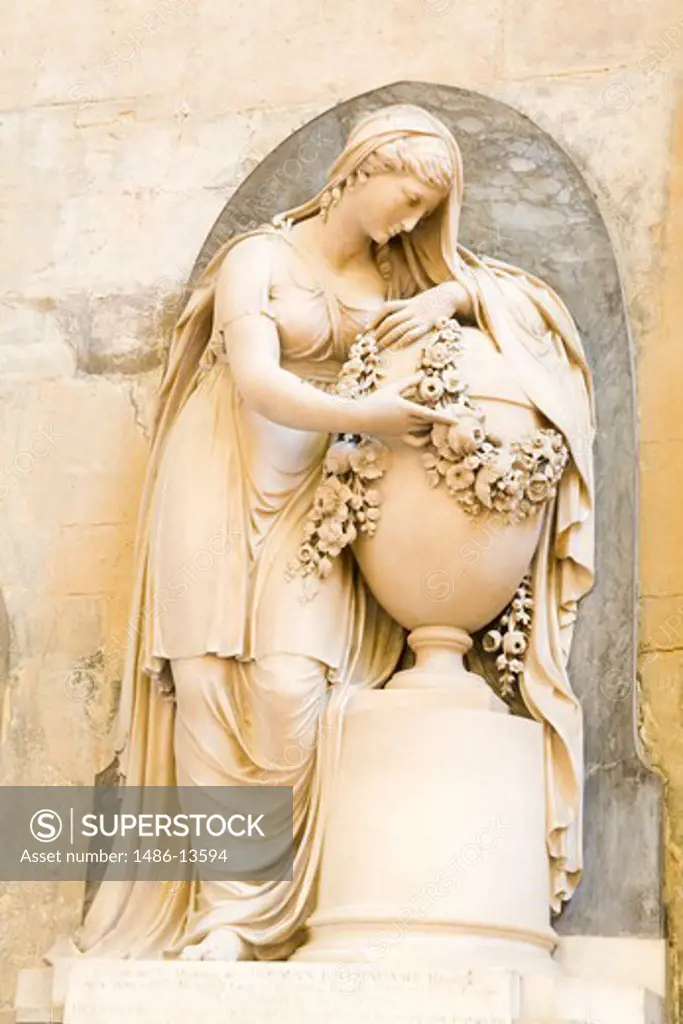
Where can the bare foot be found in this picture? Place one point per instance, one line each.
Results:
(223, 944)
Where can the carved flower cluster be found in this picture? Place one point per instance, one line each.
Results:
(510, 638)
(360, 374)
(345, 503)
(475, 467)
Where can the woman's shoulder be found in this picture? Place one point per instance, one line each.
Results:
(262, 243)
(252, 260)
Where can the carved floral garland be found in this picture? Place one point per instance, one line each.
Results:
(345, 504)
(509, 639)
(475, 467)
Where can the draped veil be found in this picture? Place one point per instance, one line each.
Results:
(533, 329)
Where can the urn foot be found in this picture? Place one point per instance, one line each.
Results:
(439, 665)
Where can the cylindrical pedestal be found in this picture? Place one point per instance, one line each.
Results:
(435, 848)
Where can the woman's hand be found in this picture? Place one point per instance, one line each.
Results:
(404, 321)
(385, 413)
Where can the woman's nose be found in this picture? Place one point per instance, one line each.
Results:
(409, 223)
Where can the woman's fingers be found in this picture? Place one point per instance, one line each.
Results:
(391, 337)
(431, 415)
(398, 335)
(401, 316)
(411, 335)
(438, 416)
(415, 440)
(387, 309)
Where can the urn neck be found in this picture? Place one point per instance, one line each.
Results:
(438, 648)
(439, 666)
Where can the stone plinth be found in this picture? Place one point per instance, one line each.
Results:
(253, 993)
(435, 849)
(148, 992)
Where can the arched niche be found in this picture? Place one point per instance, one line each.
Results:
(526, 202)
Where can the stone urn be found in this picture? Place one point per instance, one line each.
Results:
(446, 558)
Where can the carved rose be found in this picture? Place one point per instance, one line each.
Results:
(431, 389)
(451, 381)
(437, 355)
(337, 460)
(538, 488)
(439, 438)
(369, 459)
(466, 435)
(331, 533)
(514, 643)
(492, 641)
(332, 498)
(499, 464)
(459, 477)
(542, 445)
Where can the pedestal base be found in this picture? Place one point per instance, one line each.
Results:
(435, 847)
(149, 992)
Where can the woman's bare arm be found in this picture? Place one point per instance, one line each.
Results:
(252, 346)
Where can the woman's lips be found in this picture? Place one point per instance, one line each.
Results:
(386, 235)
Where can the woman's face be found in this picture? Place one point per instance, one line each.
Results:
(387, 204)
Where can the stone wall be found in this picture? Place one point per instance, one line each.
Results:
(126, 127)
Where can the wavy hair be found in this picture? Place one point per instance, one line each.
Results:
(426, 159)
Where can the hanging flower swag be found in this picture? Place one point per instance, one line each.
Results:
(475, 467)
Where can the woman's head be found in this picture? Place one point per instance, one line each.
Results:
(399, 166)
(396, 185)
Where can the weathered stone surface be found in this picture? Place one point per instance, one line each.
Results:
(130, 48)
(605, 135)
(582, 40)
(661, 533)
(662, 494)
(74, 448)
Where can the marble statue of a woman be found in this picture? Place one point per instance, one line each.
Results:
(246, 408)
